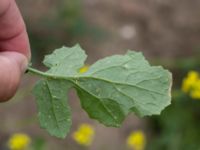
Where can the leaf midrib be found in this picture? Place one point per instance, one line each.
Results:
(53, 107)
(52, 76)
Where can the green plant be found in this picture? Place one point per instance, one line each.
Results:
(111, 89)
(177, 128)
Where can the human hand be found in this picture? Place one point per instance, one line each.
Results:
(14, 48)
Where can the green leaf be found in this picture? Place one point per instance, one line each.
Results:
(65, 61)
(117, 85)
(111, 89)
(54, 112)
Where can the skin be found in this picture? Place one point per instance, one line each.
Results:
(14, 49)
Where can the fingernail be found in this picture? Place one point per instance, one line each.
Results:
(24, 65)
(21, 60)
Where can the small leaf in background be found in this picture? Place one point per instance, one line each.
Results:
(38, 143)
(109, 89)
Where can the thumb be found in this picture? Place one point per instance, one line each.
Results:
(12, 66)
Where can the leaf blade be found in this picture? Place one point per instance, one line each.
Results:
(65, 61)
(112, 88)
(54, 113)
(132, 83)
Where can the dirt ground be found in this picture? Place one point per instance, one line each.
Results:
(166, 29)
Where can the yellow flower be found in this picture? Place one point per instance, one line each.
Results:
(190, 81)
(195, 92)
(84, 135)
(19, 141)
(191, 84)
(136, 140)
(84, 69)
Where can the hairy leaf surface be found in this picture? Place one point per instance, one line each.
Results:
(65, 61)
(53, 111)
(111, 89)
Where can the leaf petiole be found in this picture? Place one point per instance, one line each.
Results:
(36, 72)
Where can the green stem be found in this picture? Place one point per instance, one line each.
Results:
(36, 72)
(46, 75)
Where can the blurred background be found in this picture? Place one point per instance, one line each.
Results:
(168, 34)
